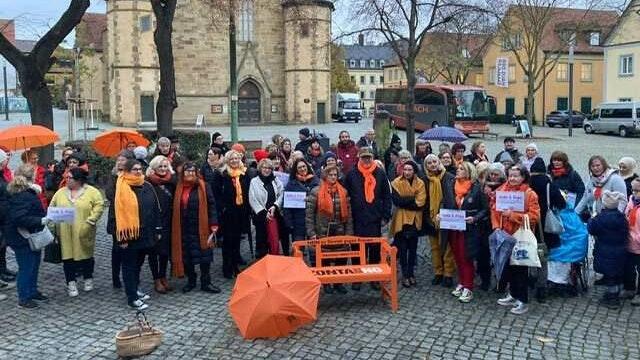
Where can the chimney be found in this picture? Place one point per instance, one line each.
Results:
(360, 39)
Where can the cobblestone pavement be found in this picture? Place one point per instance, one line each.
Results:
(430, 324)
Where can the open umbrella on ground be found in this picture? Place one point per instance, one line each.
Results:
(443, 133)
(27, 136)
(273, 297)
(113, 141)
(500, 245)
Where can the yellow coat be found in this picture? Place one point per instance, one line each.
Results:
(401, 187)
(78, 240)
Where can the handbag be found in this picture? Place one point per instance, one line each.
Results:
(552, 224)
(53, 252)
(139, 338)
(37, 240)
(525, 251)
(273, 236)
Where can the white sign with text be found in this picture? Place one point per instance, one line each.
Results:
(453, 219)
(510, 200)
(295, 199)
(61, 214)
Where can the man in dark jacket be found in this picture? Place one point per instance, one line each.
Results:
(347, 151)
(370, 203)
(305, 140)
(5, 274)
(510, 152)
(369, 140)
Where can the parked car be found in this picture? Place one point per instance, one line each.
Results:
(561, 118)
(622, 118)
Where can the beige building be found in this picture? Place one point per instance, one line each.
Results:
(621, 53)
(553, 94)
(90, 43)
(283, 62)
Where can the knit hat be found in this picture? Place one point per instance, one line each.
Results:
(140, 152)
(532, 146)
(260, 154)
(238, 147)
(328, 155)
(611, 199)
(3, 156)
(305, 131)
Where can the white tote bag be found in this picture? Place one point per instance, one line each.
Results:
(525, 252)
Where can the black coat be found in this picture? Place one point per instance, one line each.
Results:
(367, 218)
(538, 184)
(475, 204)
(25, 212)
(208, 174)
(192, 253)
(149, 213)
(165, 194)
(110, 194)
(611, 230)
(627, 183)
(294, 219)
(4, 202)
(231, 216)
(304, 145)
(364, 143)
(572, 182)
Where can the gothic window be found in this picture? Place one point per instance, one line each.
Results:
(245, 29)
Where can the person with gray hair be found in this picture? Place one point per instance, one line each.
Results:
(163, 147)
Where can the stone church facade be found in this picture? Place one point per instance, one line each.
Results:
(283, 62)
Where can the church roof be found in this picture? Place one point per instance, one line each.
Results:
(90, 31)
(368, 52)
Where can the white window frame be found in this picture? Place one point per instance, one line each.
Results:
(582, 77)
(363, 64)
(594, 38)
(381, 63)
(352, 63)
(565, 72)
(626, 65)
(372, 63)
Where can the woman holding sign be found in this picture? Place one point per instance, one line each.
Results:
(464, 235)
(265, 197)
(510, 220)
(78, 237)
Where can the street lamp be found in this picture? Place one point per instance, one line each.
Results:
(6, 96)
(571, 46)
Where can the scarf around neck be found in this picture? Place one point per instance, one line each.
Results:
(235, 179)
(435, 192)
(600, 181)
(126, 207)
(304, 178)
(461, 188)
(156, 179)
(369, 181)
(558, 172)
(325, 200)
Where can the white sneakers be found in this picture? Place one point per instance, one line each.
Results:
(142, 296)
(507, 301)
(466, 296)
(88, 284)
(138, 305)
(457, 291)
(517, 306)
(72, 289)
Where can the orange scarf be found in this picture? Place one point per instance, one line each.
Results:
(177, 268)
(126, 207)
(369, 181)
(235, 179)
(461, 188)
(325, 200)
(305, 178)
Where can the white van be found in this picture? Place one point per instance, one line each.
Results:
(615, 117)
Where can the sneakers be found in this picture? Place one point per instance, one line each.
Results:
(627, 294)
(72, 289)
(610, 301)
(457, 291)
(466, 296)
(3, 297)
(519, 308)
(138, 305)
(142, 296)
(28, 304)
(88, 284)
(7, 285)
(40, 297)
(507, 301)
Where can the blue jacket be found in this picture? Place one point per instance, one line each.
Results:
(26, 212)
(294, 219)
(611, 230)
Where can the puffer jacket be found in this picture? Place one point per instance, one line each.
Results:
(611, 231)
(25, 212)
(319, 225)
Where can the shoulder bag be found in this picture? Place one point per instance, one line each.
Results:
(37, 240)
(552, 224)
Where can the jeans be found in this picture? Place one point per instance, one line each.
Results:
(132, 260)
(407, 250)
(158, 265)
(72, 267)
(27, 279)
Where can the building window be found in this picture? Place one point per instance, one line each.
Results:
(465, 53)
(381, 79)
(145, 23)
(344, 63)
(245, 31)
(512, 42)
(372, 64)
(585, 105)
(372, 79)
(562, 72)
(362, 80)
(361, 94)
(562, 103)
(381, 63)
(397, 75)
(352, 63)
(626, 65)
(624, 99)
(586, 72)
(594, 38)
(363, 64)
(512, 73)
(353, 79)
(372, 94)
(492, 75)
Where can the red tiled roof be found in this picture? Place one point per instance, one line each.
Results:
(8, 29)
(90, 31)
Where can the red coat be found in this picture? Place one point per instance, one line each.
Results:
(348, 154)
(39, 180)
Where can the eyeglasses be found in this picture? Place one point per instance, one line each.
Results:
(136, 169)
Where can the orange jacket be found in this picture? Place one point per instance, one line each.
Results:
(512, 223)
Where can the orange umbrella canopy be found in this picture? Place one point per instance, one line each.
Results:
(113, 141)
(273, 297)
(27, 136)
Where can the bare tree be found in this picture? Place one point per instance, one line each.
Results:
(32, 67)
(164, 11)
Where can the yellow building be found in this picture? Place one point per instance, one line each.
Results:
(90, 41)
(621, 52)
(553, 93)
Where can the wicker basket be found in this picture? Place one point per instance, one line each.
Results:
(138, 339)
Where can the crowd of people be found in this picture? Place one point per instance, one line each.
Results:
(171, 212)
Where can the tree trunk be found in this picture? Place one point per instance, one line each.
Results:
(531, 93)
(411, 100)
(167, 103)
(35, 90)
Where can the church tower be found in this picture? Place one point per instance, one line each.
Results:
(307, 41)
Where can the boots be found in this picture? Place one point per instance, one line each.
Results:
(191, 284)
(541, 295)
(166, 285)
(610, 301)
(159, 287)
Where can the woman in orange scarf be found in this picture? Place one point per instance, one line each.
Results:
(137, 216)
(466, 195)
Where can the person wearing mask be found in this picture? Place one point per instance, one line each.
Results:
(632, 260)
(6, 276)
(370, 194)
(301, 179)
(517, 277)
(284, 153)
(315, 154)
(369, 140)
(136, 219)
(465, 194)
(78, 239)
(328, 213)
(478, 153)
(602, 177)
(409, 196)
(423, 148)
(31, 157)
(457, 150)
(447, 162)
(565, 177)
(347, 151)
(611, 232)
(160, 175)
(304, 135)
(217, 141)
(232, 202)
(549, 198)
(510, 152)
(436, 180)
(266, 195)
(394, 147)
(194, 224)
(530, 155)
(627, 170)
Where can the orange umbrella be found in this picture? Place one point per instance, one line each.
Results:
(113, 141)
(27, 136)
(273, 297)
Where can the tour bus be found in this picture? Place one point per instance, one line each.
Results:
(467, 108)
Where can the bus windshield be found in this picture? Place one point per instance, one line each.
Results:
(471, 104)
